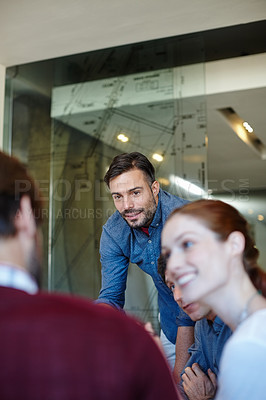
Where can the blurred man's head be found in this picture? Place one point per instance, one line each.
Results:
(20, 217)
(196, 311)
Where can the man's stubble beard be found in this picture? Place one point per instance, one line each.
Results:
(147, 215)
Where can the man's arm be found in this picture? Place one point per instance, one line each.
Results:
(114, 272)
(184, 339)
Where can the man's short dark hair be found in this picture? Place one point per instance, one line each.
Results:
(125, 162)
(16, 182)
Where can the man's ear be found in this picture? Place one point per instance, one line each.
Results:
(237, 242)
(155, 187)
(24, 220)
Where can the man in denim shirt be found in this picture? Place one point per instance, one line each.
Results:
(133, 234)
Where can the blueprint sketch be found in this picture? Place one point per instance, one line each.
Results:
(160, 112)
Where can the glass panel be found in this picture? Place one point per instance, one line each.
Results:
(155, 112)
(7, 127)
(80, 206)
(152, 93)
(251, 204)
(28, 106)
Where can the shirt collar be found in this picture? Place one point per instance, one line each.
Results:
(158, 214)
(13, 277)
(217, 324)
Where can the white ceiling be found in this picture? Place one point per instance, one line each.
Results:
(33, 30)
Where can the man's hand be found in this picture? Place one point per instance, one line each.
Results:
(197, 385)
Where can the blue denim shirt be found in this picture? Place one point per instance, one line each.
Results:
(210, 338)
(120, 244)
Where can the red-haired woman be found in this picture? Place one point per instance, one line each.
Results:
(212, 257)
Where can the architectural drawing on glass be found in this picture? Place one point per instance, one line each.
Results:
(159, 113)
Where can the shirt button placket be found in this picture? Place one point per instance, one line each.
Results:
(151, 252)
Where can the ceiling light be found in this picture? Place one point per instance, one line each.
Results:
(260, 217)
(247, 127)
(157, 157)
(123, 138)
(244, 131)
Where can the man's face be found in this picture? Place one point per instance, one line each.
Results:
(134, 198)
(196, 311)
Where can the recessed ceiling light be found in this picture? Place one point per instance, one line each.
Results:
(247, 127)
(157, 157)
(244, 131)
(260, 217)
(123, 138)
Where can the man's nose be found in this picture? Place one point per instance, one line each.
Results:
(128, 202)
(177, 294)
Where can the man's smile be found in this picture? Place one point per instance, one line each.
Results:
(133, 214)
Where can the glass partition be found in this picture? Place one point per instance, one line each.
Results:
(72, 115)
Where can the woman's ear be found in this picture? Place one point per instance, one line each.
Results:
(24, 219)
(236, 240)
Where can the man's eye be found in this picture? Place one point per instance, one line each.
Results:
(171, 285)
(116, 197)
(136, 193)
